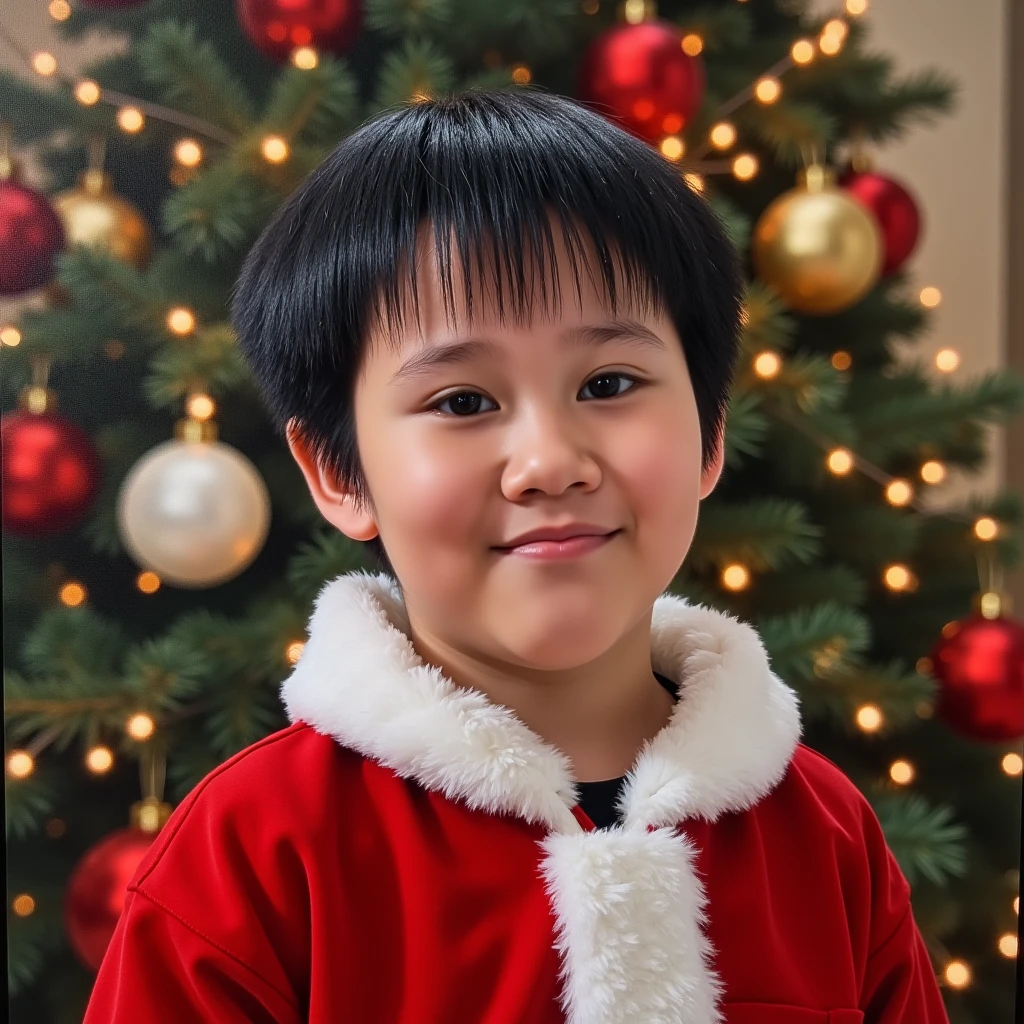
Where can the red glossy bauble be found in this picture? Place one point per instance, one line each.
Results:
(979, 663)
(640, 76)
(277, 27)
(96, 891)
(51, 472)
(895, 209)
(30, 236)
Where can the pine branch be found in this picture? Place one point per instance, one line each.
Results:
(792, 129)
(211, 362)
(318, 106)
(193, 78)
(28, 802)
(724, 29)
(922, 838)
(163, 673)
(735, 222)
(30, 940)
(874, 534)
(408, 17)
(763, 534)
(807, 384)
(918, 100)
(418, 67)
(79, 641)
(746, 429)
(766, 321)
(812, 585)
(798, 640)
(323, 558)
(837, 689)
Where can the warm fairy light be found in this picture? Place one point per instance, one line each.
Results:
(99, 760)
(735, 577)
(419, 96)
(130, 119)
(958, 974)
(901, 772)
(802, 51)
(55, 828)
(60, 10)
(200, 407)
(23, 904)
(20, 764)
(634, 11)
(140, 726)
(521, 74)
(1008, 945)
(986, 528)
(1013, 764)
(114, 349)
(672, 148)
(841, 360)
(274, 149)
(723, 135)
(836, 27)
(898, 577)
(87, 92)
(305, 58)
(692, 44)
(188, 153)
(72, 594)
(839, 461)
(899, 493)
(181, 320)
(947, 360)
(294, 651)
(744, 167)
(930, 297)
(1016, 904)
(694, 180)
(830, 45)
(10, 335)
(933, 472)
(148, 582)
(868, 718)
(767, 90)
(856, 7)
(44, 63)
(767, 365)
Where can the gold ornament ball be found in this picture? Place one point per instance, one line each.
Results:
(817, 246)
(93, 214)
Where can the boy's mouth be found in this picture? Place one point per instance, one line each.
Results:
(559, 548)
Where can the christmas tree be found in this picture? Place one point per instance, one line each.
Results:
(161, 551)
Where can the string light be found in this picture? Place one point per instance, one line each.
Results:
(72, 595)
(188, 153)
(10, 336)
(130, 119)
(274, 149)
(695, 181)
(839, 461)
(830, 45)
(856, 7)
(898, 578)
(44, 63)
(99, 760)
(841, 360)
(23, 904)
(148, 582)
(181, 320)
(20, 764)
(305, 58)
(114, 349)
(59, 10)
(200, 407)
(672, 148)
(521, 74)
(294, 651)
(899, 493)
(836, 27)
(140, 726)
(930, 297)
(723, 135)
(87, 92)
(634, 11)
(735, 577)
(1013, 764)
(933, 472)
(802, 51)
(1008, 945)
(947, 360)
(869, 718)
(55, 828)
(744, 167)
(958, 974)
(767, 90)
(767, 365)
(986, 528)
(692, 44)
(901, 772)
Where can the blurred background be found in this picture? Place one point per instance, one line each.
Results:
(161, 553)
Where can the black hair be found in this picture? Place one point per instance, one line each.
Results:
(492, 170)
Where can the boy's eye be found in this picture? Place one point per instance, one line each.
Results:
(466, 403)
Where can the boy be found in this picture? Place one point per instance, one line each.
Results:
(523, 785)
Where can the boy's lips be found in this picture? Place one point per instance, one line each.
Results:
(559, 550)
(557, 533)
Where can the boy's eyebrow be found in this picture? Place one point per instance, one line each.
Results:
(631, 332)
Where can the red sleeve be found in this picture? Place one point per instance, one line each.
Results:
(158, 969)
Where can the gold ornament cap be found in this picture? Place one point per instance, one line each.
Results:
(816, 178)
(37, 399)
(150, 815)
(196, 431)
(992, 604)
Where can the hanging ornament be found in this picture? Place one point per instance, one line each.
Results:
(277, 27)
(51, 470)
(817, 246)
(979, 663)
(31, 234)
(96, 890)
(892, 206)
(640, 76)
(92, 214)
(193, 510)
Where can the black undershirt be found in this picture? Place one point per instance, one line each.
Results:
(598, 798)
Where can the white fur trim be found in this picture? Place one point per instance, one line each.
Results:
(629, 906)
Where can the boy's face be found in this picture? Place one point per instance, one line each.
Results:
(535, 442)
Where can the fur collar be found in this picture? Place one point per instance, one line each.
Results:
(730, 739)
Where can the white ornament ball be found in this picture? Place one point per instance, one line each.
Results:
(195, 513)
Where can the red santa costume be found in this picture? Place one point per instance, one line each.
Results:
(408, 852)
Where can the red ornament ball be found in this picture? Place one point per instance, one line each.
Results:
(97, 889)
(895, 209)
(979, 663)
(30, 236)
(51, 472)
(640, 76)
(277, 27)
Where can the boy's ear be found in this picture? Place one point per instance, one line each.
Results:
(334, 500)
(710, 477)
